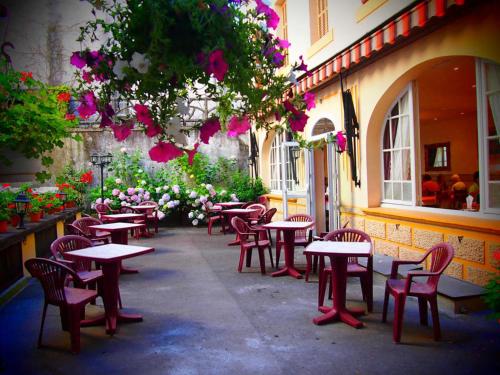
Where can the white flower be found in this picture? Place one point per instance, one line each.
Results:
(209, 186)
(165, 197)
(170, 204)
(143, 182)
(176, 202)
(197, 201)
(139, 62)
(193, 194)
(128, 204)
(123, 150)
(104, 188)
(161, 202)
(118, 68)
(118, 181)
(165, 187)
(201, 216)
(123, 204)
(98, 200)
(122, 196)
(107, 201)
(140, 170)
(140, 190)
(158, 190)
(182, 107)
(223, 192)
(203, 208)
(175, 122)
(176, 189)
(203, 199)
(190, 215)
(195, 222)
(210, 204)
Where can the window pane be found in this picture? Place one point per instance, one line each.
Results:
(396, 133)
(387, 190)
(494, 159)
(387, 165)
(493, 104)
(396, 167)
(405, 125)
(404, 103)
(395, 110)
(396, 191)
(407, 191)
(494, 195)
(387, 136)
(406, 165)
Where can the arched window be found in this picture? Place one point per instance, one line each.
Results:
(323, 126)
(397, 152)
(275, 163)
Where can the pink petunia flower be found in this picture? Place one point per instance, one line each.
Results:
(309, 100)
(272, 18)
(164, 152)
(192, 153)
(217, 65)
(238, 126)
(278, 59)
(298, 121)
(87, 77)
(283, 43)
(208, 129)
(121, 132)
(341, 141)
(87, 105)
(143, 115)
(77, 60)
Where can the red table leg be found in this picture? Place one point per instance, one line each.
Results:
(112, 314)
(289, 245)
(121, 237)
(339, 310)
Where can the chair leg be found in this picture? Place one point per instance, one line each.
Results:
(399, 309)
(362, 281)
(278, 253)
(271, 256)
(262, 261)
(41, 325)
(386, 303)
(242, 258)
(269, 236)
(435, 318)
(156, 226)
(210, 222)
(422, 309)
(249, 257)
(308, 266)
(369, 290)
(63, 312)
(74, 327)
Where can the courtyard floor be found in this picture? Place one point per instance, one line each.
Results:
(203, 317)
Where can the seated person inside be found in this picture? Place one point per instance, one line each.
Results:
(430, 190)
(458, 192)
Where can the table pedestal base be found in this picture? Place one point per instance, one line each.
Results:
(289, 247)
(344, 315)
(287, 271)
(112, 322)
(126, 270)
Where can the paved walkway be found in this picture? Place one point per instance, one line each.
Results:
(202, 317)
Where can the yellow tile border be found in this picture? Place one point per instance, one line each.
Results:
(368, 8)
(320, 44)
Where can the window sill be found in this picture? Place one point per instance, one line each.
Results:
(368, 8)
(452, 221)
(277, 196)
(320, 44)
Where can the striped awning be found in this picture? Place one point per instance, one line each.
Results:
(392, 32)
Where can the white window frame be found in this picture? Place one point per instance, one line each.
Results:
(411, 130)
(275, 164)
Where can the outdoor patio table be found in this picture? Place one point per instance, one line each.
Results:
(119, 235)
(110, 257)
(122, 217)
(227, 205)
(288, 228)
(339, 252)
(144, 208)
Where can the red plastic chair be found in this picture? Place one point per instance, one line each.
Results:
(247, 244)
(152, 214)
(266, 218)
(104, 209)
(264, 201)
(441, 256)
(140, 220)
(71, 301)
(96, 236)
(214, 215)
(354, 269)
(302, 237)
(254, 217)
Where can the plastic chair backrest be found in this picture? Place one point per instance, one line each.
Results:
(348, 235)
(127, 210)
(264, 201)
(267, 217)
(241, 227)
(70, 243)
(84, 223)
(302, 233)
(149, 203)
(260, 207)
(441, 256)
(102, 209)
(52, 276)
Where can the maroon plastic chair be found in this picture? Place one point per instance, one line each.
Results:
(104, 209)
(354, 269)
(266, 218)
(71, 301)
(151, 214)
(140, 220)
(254, 217)
(441, 256)
(264, 201)
(302, 237)
(214, 215)
(96, 236)
(247, 244)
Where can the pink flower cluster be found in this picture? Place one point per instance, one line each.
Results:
(272, 18)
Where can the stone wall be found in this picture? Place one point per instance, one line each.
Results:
(402, 239)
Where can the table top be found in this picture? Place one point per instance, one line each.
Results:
(123, 216)
(116, 226)
(144, 207)
(230, 204)
(289, 225)
(240, 210)
(348, 249)
(110, 252)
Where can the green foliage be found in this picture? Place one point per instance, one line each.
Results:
(129, 167)
(6, 198)
(32, 119)
(245, 187)
(492, 295)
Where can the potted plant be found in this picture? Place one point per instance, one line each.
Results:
(4, 219)
(35, 210)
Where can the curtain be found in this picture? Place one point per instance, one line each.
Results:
(493, 85)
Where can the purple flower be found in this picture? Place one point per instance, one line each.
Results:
(278, 59)
(130, 191)
(115, 192)
(303, 66)
(77, 60)
(87, 105)
(283, 43)
(309, 100)
(272, 18)
(122, 196)
(217, 65)
(134, 197)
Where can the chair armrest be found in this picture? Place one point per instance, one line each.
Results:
(413, 274)
(396, 263)
(67, 263)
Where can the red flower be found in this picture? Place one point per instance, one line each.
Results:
(69, 117)
(6, 185)
(11, 205)
(208, 129)
(192, 153)
(58, 196)
(496, 255)
(121, 132)
(164, 152)
(48, 205)
(237, 126)
(217, 65)
(26, 75)
(64, 96)
(341, 141)
(143, 115)
(86, 177)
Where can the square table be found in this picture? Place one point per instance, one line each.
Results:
(119, 235)
(226, 205)
(122, 217)
(339, 252)
(288, 228)
(109, 257)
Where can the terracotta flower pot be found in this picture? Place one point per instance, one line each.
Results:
(14, 220)
(35, 217)
(3, 226)
(70, 204)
